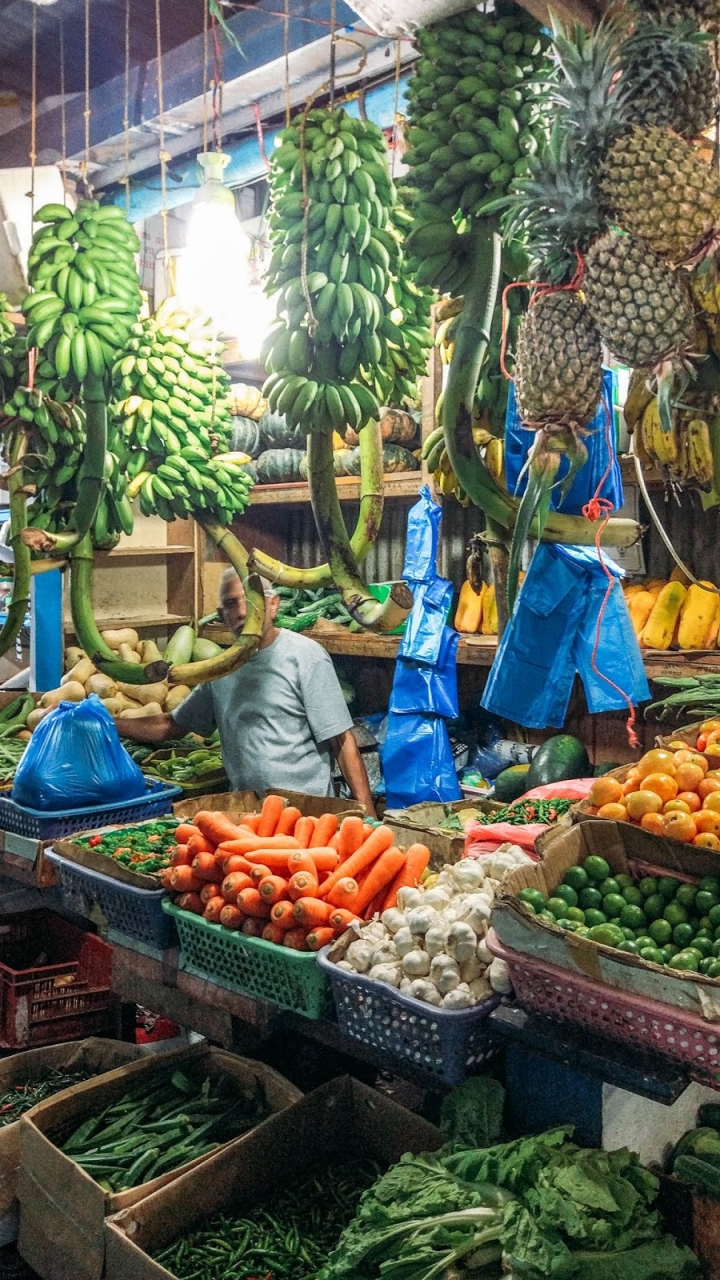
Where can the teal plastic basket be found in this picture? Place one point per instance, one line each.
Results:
(290, 979)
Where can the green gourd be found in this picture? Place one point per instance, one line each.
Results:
(279, 466)
(247, 437)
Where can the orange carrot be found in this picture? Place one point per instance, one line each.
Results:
(165, 878)
(277, 859)
(273, 889)
(272, 808)
(310, 913)
(325, 829)
(417, 857)
(282, 915)
(368, 829)
(376, 844)
(198, 844)
(335, 842)
(340, 919)
(185, 831)
(259, 872)
(344, 894)
(381, 875)
(303, 832)
(234, 862)
(208, 891)
(180, 854)
(273, 933)
(233, 884)
(250, 902)
(216, 827)
(320, 938)
(374, 906)
(206, 868)
(190, 902)
(249, 820)
(252, 927)
(351, 836)
(184, 880)
(295, 939)
(230, 917)
(302, 885)
(301, 860)
(246, 845)
(213, 909)
(287, 820)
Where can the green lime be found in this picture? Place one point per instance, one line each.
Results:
(705, 901)
(608, 934)
(624, 880)
(704, 933)
(653, 954)
(686, 894)
(632, 895)
(714, 914)
(629, 933)
(683, 934)
(669, 951)
(568, 925)
(716, 949)
(654, 906)
(648, 886)
(707, 963)
(632, 917)
(558, 907)
(597, 868)
(686, 961)
(593, 918)
(661, 931)
(590, 897)
(710, 884)
(609, 885)
(674, 912)
(582, 931)
(628, 945)
(567, 893)
(668, 887)
(577, 878)
(613, 904)
(643, 940)
(714, 970)
(703, 945)
(548, 916)
(706, 923)
(574, 913)
(533, 898)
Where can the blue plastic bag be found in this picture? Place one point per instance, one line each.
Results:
(75, 759)
(431, 690)
(425, 627)
(423, 536)
(418, 762)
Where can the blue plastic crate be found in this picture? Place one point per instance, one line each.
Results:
(38, 825)
(132, 915)
(443, 1044)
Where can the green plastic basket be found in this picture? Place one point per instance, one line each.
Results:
(252, 967)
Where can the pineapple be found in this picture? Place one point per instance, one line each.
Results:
(641, 307)
(706, 13)
(669, 77)
(558, 363)
(660, 188)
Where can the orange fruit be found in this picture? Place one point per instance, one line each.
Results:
(652, 822)
(665, 786)
(633, 784)
(713, 750)
(708, 820)
(657, 761)
(683, 755)
(707, 786)
(713, 773)
(706, 840)
(712, 737)
(700, 761)
(679, 826)
(677, 745)
(676, 806)
(617, 812)
(689, 777)
(712, 801)
(639, 803)
(707, 726)
(692, 800)
(605, 791)
(633, 772)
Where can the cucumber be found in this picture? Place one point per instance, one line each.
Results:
(699, 1174)
(559, 758)
(512, 783)
(709, 1115)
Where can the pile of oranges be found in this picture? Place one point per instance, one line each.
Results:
(670, 792)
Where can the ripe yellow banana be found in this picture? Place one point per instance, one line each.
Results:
(495, 460)
(699, 452)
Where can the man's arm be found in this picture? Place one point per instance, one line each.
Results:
(345, 749)
(148, 728)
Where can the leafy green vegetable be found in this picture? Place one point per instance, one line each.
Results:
(472, 1114)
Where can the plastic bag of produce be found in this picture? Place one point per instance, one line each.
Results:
(75, 759)
(418, 762)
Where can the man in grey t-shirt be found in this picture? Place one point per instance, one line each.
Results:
(281, 716)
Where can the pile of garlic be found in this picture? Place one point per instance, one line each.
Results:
(432, 946)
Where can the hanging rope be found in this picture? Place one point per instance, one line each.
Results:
(206, 50)
(33, 113)
(63, 113)
(333, 50)
(260, 135)
(286, 51)
(126, 111)
(217, 87)
(164, 156)
(85, 166)
(396, 106)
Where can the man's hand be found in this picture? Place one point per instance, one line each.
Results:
(147, 728)
(346, 751)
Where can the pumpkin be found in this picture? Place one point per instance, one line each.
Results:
(395, 458)
(397, 427)
(247, 402)
(278, 434)
(246, 437)
(346, 462)
(278, 466)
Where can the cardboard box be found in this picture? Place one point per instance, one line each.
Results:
(420, 824)
(248, 802)
(62, 1209)
(68, 847)
(625, 848)
(342, 1117)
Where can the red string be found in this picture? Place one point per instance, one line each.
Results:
(260, 134)
(32, 361)
(537, 291)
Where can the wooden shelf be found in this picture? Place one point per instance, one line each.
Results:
(138, 621)
(402, 484)
(131, 553)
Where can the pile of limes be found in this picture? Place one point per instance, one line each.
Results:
(659, 918)
(671, 793)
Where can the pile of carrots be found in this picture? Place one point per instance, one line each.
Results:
(295, 881)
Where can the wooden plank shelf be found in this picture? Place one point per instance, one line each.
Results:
(131, 553)
(138, 621)
(402, 484)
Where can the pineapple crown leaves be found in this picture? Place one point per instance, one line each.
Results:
(588, 97)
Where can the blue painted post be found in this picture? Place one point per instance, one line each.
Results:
(46, 631)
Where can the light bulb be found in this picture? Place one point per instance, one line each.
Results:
(213, 273)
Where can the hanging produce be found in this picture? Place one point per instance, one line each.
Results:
(706, 13)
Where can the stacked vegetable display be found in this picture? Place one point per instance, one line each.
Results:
(22, 1097)
(671, 793)
(146, 847)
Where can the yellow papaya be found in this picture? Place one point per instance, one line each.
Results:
(640, 606)
(469, 612)
(697, 617)
(489, 625)
(659, 629)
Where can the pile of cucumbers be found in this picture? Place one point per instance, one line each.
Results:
(696, 1158)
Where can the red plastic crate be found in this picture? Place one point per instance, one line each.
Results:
(54, 981)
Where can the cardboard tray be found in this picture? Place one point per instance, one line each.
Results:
(420, 822)
(62, 1210)
(99, 862)
(621, 845)
(341, 1117)
(249, 802)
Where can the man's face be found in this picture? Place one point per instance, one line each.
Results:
(233, 607)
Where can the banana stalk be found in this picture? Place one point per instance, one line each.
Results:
(372, 484)
(88, 632)
(92, 476)
(471, 341)
(335, 545)
(245, 645)
(18, 606)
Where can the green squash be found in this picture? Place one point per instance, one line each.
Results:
(346, 462)
(396, 458)
(276, 433)
(246, 437)
(279, 466)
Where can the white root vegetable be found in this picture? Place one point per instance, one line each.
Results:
(393, 919)
(345, 966)
(460, 997)
(385, 953)
(145, 693)
(151, 709)
(436, 939)
(113, 705)
(177, 694)
(73, 655)
(388, 973)
(421, 989)
(468, 874)
(445, 974)
(404, 942)
(128, 654)
(405, 986)
(124, 635)
(81, 672)
(483, 952)
(420, 919)
(35, 716)
(73, 691)
(359, 954)
(476, 912)
(505, 859)
(499, 976)
(471, 969)
(437, 898)
(409, 897)
(461, 941)
(416, 964)
(481, 989)
(102, 685)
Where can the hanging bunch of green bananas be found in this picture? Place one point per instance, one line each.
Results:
(86, 291)
(435, 453)
(334, 351)
(475, 116)
(7, 335)
(410, 305)
(190, 483)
